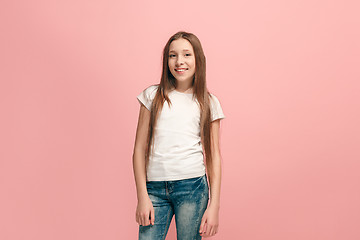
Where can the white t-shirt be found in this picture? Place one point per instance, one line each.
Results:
(177, 152)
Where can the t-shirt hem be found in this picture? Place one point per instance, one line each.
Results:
(143, 102)
(177, 177)
(219, 117)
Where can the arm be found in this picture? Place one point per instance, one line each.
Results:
(144, 207)
(210, 220)
(215, 174)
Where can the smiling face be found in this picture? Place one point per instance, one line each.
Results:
(182, 61)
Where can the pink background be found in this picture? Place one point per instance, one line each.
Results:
(286, 73)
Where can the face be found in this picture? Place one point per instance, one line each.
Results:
(182, 60)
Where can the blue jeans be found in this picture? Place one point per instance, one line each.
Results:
(187, 199)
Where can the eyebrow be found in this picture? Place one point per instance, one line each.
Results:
(184, 50)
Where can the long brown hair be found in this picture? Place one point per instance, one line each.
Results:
(168, 82)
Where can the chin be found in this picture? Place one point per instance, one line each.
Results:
(182, 79)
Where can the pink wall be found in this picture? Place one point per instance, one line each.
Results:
(286, 73)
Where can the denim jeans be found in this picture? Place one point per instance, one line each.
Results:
(187, 199)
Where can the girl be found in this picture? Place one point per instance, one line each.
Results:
(178, 119)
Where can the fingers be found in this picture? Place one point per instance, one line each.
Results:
(202, 226)
(143, 219)
(208, 230)
(204, 232)
(146, 219)
(213, 230)
(152, 216)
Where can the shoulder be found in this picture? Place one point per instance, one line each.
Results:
(215, 106)
(147, 95)
(214, 99)
(151, 89)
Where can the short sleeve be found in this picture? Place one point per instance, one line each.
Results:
(216, 109)
(147, 96)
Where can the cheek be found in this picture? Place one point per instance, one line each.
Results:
(193, 62)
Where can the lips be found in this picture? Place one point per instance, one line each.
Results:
(181, 69)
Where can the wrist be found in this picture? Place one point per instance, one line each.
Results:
(215, 205)
(142, 195)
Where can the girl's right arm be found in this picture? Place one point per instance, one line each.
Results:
(144, 210)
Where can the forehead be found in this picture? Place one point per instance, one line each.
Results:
(180, 45)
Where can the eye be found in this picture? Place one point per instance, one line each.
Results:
(188, 54)
(171, 55)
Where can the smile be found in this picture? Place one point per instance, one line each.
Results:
(180, 69)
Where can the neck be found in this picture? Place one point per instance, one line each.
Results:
(183, 86)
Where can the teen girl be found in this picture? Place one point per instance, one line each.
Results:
(178, 119)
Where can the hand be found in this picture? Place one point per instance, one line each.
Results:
(210, 222)
(145, 212)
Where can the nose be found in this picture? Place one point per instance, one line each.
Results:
(179, 60)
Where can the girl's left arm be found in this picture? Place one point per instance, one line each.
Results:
(210, 221)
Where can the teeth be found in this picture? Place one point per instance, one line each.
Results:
(180, 70)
